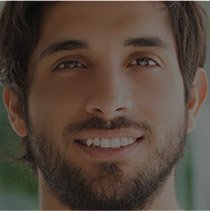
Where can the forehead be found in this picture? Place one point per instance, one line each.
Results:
(103, 25)
(104, 18)
(102, 12)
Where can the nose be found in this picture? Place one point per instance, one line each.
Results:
(110, 98)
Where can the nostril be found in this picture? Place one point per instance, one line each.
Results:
(97, 110)
(120, 109)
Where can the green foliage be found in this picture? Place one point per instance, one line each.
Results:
(184, 180)
(18, 185)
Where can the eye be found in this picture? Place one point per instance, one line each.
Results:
(69, 64)
(144, 61)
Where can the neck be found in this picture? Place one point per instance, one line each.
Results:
(165, 201)
(167, 198)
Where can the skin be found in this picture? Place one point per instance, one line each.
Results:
(108, 85)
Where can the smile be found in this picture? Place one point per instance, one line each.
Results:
(108, 144)
(115, 142)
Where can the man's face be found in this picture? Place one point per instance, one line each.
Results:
(106, 73)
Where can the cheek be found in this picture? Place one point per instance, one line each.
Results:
(160, 100)
(56, 103)
(168, 103)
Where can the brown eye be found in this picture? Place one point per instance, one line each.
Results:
(70, 64)
(145, 61)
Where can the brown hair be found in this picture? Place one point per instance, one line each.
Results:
(19, 33)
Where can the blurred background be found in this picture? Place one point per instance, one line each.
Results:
(19, 188)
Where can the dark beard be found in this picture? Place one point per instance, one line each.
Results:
(109, 189)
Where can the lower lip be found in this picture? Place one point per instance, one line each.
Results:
(109, 153)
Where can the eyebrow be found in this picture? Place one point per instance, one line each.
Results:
(62, 46)
(78, 44)
(147, 42)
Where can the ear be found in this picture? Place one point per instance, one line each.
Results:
(198, 94)
(16, 117)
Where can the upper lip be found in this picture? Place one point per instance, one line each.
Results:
(96, 133)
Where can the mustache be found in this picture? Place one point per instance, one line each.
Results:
(102, 124)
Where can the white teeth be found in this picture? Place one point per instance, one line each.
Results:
(131, 140)
(115, 143)
(105, 143)
(89, 142)
(97, 142)
(124, 141)
(109, 143)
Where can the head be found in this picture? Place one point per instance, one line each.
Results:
(121, 69)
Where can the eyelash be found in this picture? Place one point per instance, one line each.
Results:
(58, 67)
(146, 63)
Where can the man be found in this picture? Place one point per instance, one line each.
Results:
(103, 95)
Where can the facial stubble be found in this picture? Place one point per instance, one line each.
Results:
(109, 188)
